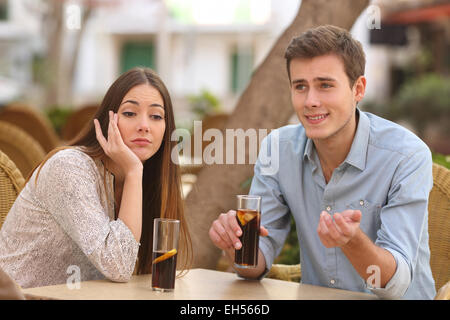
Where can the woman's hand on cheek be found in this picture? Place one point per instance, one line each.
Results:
(114, 146)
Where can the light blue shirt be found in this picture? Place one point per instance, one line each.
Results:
(387, 175)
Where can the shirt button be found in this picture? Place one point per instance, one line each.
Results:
(332, 281)
(361, 202)
(328, 208)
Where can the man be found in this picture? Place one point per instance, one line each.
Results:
(357, 185)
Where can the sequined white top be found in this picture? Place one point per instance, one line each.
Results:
(63, 227)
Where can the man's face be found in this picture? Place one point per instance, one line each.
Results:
(322, 97)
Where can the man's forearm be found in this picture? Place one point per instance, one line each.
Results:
(363, 253)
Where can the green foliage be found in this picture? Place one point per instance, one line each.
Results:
(290, 254)
(184, 124)
(380, 109)
(204, 104)
(58, 116)
(422, 100)
(39, 69)
(441, 159)
(246, 184)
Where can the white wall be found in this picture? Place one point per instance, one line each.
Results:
(200, 62)
(97, 65)
(19, 37)
(377, 61)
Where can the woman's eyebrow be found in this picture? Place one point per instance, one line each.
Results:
(130, 101)
(137, 103)
(156, 105)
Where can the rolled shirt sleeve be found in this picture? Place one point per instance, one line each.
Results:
(398, 284)
(69, 189)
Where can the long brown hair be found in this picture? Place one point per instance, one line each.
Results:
(161, 196)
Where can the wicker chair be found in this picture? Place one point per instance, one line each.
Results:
(77, 121)
(20, 147)
(11, 182)
(32, 122)
(286, 272)
(439, 230)
(444, 292)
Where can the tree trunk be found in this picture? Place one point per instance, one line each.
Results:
(72, 61)
(53, 21)
(264, 104)
(61, 63)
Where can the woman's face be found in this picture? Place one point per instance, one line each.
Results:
(141, 120)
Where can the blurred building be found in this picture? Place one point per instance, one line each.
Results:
(193, 45)
(414, 39)
(16, 50)
(200, 44)
(415, 36)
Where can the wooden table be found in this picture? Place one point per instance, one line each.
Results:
(197, 284)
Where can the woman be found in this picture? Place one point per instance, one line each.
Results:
(87, 212)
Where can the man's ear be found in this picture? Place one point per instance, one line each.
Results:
(359, 88)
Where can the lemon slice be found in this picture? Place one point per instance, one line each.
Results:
(165, 256)
(245, 217)
(249, 216)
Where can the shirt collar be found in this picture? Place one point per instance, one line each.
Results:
(358, 152)
(308, 149)
(357, 156)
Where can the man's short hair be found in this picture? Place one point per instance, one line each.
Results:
(325, 40)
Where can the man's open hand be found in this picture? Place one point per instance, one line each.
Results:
(338, 230)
